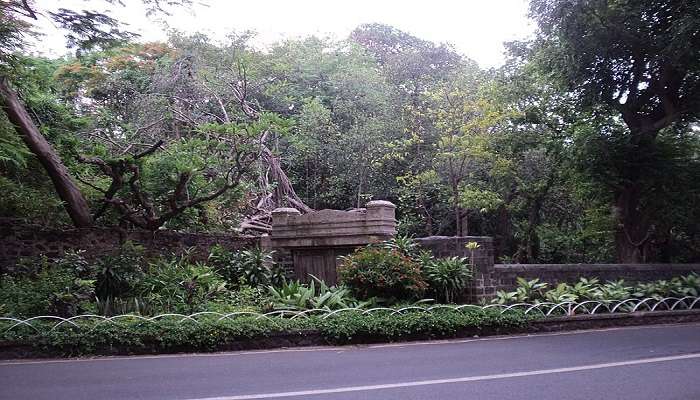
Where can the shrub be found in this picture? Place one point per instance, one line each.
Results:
(354, 327)
(118, 275)
(253, 267)
(381, 272)
(405, 245)
(46, 287)
(179, 285)
(447, 277)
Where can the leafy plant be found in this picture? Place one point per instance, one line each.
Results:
(531, 289)
(50, 287)
(585, 289)
(405, 245)
(503, 297)
(447, 277)
(117, 306)
(613, 290)
(254, 267)
(316, 295)
(383, 273)
(562, 293)
(689, 285)
(591, 289)
(178, 285)
(118, 275)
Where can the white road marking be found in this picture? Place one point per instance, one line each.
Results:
(347, 389)
(344, 348)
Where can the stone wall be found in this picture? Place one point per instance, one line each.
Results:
(488, 278)
(21, 240)
(505, 274)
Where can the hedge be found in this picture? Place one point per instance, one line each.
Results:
(169, 336)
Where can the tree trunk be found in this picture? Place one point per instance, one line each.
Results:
(532, 241)
(455, 206)
(464, 224)
(73, 199)
(633, 227)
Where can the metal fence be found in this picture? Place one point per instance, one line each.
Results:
(544, 310)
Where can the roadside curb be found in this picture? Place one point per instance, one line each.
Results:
(597, 321)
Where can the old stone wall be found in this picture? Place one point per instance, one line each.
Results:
(505, 274)
(488, 278)
(18, 240)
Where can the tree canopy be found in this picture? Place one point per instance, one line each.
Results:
(583, 147)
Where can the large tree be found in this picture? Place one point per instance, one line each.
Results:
(636, 66)
(84, 30)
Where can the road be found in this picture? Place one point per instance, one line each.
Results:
(640, 363)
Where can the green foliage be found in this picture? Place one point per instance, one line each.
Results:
(383, 273)
(166, 335)
(585, 289)
(535, 152)
(44, 287)
(295, 295)
(447, 277)
(254, 267)
(359, 328)
(405, 245)
(179, 285)
(119, 274)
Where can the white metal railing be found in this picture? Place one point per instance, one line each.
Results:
(544, 309)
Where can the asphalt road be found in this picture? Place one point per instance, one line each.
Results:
(640, 363)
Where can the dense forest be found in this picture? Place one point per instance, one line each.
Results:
(583, 147)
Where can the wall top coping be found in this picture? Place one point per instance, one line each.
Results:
(456, 238)
(593, 267)
(380, 203)
(286, 210)
(360, 225)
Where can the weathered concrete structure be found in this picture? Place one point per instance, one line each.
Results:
(311, 243)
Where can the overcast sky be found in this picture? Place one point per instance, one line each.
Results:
(477, 28)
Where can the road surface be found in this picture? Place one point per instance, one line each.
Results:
(640, 363)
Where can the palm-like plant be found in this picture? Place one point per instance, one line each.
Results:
(405, 245)
(447, 277)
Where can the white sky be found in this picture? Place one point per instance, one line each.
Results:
(477, 28)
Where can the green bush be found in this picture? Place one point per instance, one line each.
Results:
(252, 267)
(381, 272)
(180, 285)
(354, 327)
(44, 287)
(118, 274)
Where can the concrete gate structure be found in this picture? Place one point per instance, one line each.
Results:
(310, 244)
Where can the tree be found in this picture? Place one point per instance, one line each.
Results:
(640, 61)
(84, 30)
(75, 203)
